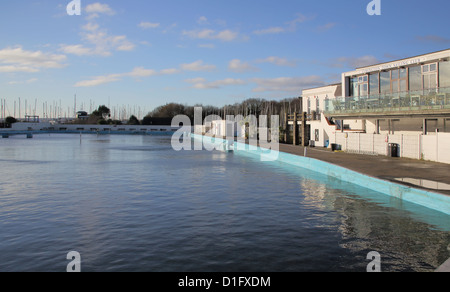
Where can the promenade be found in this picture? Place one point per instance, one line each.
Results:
(383, 167)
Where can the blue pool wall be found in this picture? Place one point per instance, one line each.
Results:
(431, 200)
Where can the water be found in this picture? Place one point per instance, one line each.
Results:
(131, 203)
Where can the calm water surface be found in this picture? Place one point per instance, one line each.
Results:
(131, 203)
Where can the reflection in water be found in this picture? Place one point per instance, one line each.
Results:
(405, 245)
(428, 184)
(400, 240)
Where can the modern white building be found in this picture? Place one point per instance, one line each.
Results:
(226, 128)
(405, 97)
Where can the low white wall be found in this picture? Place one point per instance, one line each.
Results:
(89, 128)
(433, 147)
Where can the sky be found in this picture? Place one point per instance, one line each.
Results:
(143, 54)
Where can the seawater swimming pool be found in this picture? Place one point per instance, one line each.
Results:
(132, 203)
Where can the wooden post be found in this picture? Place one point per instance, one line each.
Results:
(378, 126)
(295, 138)
(304, 138)
(286, 127)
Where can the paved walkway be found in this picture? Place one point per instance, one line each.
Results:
(383, 167)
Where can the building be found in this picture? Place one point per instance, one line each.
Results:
(226, 128)
(315, 103)
(405, 97)
(82, 115)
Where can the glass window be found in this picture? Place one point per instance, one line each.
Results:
(403, 86)
(354, 87)
(444, 74)
(425, 68)
(374, 86)
(415, 78)
(433, 67)
(363, 89)
(385, 82)
(429, 81)
(395, 86)
(403, 73)
(394, 74)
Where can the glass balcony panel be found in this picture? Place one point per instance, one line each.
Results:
(429, 99)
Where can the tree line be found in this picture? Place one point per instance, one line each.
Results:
(253, 106)
(164, 114)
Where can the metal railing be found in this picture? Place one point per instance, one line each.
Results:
(432, 99)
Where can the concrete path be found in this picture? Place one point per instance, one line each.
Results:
(383, 167)
(445, 268)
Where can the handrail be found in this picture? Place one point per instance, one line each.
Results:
(432, 99)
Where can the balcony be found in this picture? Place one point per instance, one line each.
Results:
(409, 103)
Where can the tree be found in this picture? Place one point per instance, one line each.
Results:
(133, 121)
(10, 120)
(168, 111)
(102, 112)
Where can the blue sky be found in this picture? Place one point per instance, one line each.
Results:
(148, 53)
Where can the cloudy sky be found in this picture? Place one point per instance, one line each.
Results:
(148, 53)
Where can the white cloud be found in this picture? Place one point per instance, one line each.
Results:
(98, 41)
(270, 30)
(290, 26)
(148, 25)
(197, 66)
(15, 69)
(278, 61)
(209, 34)
(94, 10)
(141, 72)
(78, 50)
(202, 20)
(29, 81)
(238, 66)
(19, 60)
(201, 83)
(137, 72)
(355, 62)
(326, 27)
(300, 18)
(101, 42)
(99, 80)
(90, 26)
(287, 84)
(170, 71)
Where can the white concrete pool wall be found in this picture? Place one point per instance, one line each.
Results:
(435, 201)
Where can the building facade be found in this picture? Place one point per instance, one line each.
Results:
(408, 97)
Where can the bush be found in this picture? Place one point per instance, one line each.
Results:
(10, 120)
